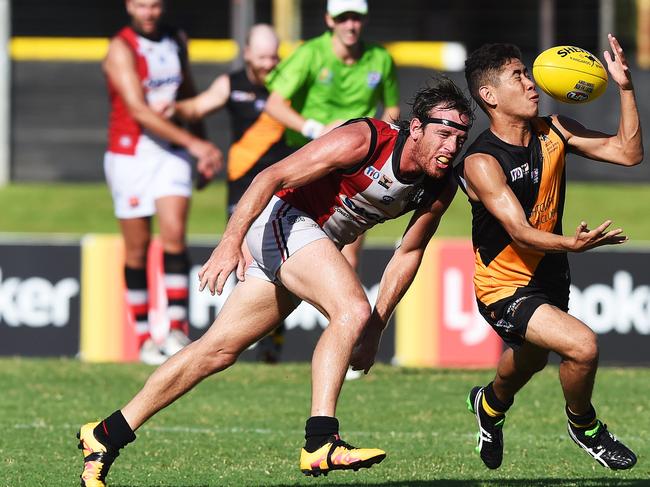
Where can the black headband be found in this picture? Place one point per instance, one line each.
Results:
(448, 123)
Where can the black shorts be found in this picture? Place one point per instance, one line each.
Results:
(509, 316)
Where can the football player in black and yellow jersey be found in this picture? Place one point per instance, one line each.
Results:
(514, 177)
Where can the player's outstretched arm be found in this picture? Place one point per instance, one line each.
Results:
(209, 101)
(486, 183)
(340, 149)
(399, 275)
(624, 148)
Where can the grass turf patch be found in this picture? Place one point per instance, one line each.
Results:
(245, 427)
(87, 208)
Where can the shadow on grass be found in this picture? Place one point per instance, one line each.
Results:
(593, 482)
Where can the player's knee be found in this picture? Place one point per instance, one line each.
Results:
(585, 349)
(219, 360)
(360, 312)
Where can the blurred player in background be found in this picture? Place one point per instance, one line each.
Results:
(258, 139)
(514, 176)
(148, 163)
(296, 216)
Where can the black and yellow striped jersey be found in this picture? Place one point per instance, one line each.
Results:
(536, 174)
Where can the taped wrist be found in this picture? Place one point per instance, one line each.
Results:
(312, 128)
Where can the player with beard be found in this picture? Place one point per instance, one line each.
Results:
(296, 216)
(148, 163)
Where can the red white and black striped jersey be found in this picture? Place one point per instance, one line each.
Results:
(159, 68)
(347, 203)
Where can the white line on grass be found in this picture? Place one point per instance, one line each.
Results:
(266, 431)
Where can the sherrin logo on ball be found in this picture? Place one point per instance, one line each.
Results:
(570, 74)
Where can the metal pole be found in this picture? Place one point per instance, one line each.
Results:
(242, 18)
(5, 92)
(546, 24)
(546, 40)
(606, 21)
(286, 20)
(643, 34)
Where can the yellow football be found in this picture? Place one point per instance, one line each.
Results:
(570, 74)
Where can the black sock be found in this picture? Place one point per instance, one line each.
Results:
(582, 421)
(494, 402)
(318, 430)
(114, 431)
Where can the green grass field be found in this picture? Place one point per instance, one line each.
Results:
(244, 427)
(87, 208)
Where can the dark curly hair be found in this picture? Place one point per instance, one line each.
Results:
(484, 65)
(440, 92)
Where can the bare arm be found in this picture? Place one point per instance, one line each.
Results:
(391, 114)
(626, 146)
(399, 275)
(211, 100)
(486, 183)
(342, 148)
(281, 110)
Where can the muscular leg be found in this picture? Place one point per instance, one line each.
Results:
(319, 274)
(252, 309)
(172, 214)
(137, 234)
(576, 343)
(515, 369)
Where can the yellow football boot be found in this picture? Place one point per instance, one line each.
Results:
(338, 455)
(97, 457)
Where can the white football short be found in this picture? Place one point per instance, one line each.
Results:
(137, 181)
(279, 232)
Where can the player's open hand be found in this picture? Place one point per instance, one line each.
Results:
(617, 64)
(586, 239)
(225, 258)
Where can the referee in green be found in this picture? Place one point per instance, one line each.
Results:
(333, 78)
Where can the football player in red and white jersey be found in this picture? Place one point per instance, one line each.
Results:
(296, 216)
(148, 163)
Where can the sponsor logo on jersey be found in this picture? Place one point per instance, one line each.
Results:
(519, 172)
(125, 141)
(534, 174)
(387, 200)
(374, 78)
(259, 105)
(325, 76)
(240, 96)
(385, 181)
(361, 211)
(372, 173)
(153, 83)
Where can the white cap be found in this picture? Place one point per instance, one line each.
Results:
(337, 7)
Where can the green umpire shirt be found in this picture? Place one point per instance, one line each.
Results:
(320, 86)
